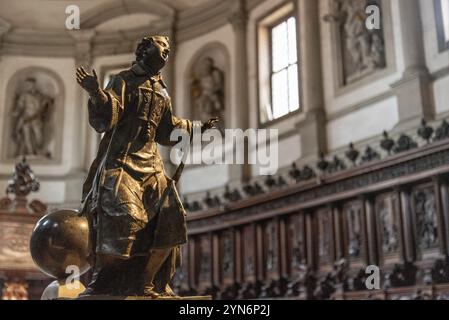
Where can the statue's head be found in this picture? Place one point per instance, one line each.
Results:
(153, 52)
(30, 84)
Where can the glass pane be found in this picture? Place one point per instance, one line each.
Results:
(292, 54)
(279, 41)
(445, 12)
(280, 94)
(293, 95)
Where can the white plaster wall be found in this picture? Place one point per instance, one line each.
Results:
(289, 151)
(362, 124)
(441, 95)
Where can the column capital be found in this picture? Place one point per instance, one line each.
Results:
(83, 46)
(238, 16)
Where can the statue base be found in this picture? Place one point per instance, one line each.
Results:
(106, 297)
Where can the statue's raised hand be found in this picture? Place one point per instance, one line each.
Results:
(87, 81)
(211, 124)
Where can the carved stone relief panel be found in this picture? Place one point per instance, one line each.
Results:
(325, 236)
(296, 242)
(33, 121)
(425, 217)
(387, 211)
(353, 226)
(205, 261)
(14, 246)
(271, 237)
(249, 253)
(227, 255)
(361, 51)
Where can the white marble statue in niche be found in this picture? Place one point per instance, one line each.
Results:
(32, 117)
(208, 91)
(362, 49)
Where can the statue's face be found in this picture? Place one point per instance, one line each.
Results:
(29, 86)
(156, 54)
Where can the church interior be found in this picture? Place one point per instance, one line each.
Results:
(357, 92)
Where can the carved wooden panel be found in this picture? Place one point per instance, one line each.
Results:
(353, 226)
(271, 249)
(296, 243)
(227, 256)
(388, 224)
(205, 261)
(425, 217)
(325, 236)
(249, 253)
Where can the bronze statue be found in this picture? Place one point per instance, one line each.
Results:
(136, 216)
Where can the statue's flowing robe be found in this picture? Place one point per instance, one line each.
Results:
(126, 181)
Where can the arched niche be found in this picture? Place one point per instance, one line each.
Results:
(207, 82)
(34, 115)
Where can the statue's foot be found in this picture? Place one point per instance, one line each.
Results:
(168, 292)
(150, 293)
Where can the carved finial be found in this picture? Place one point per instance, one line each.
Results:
(425, 131)
(23, 181)
(352, 154)
(387, 144)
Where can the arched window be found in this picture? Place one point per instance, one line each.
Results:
(278, 68)
(284, 69)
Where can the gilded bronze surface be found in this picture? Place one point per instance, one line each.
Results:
(136, 216)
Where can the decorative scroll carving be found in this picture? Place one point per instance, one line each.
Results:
(386, 209)
(296, 234)
(324, 236)
(205, 270)
(249, 257)
(227, 249)
(426, 217)
(353, 218)
(271, 247)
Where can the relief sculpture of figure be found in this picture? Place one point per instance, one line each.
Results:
(31, 124)
(208, 90)
(136, 217)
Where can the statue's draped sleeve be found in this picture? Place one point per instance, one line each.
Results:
(104, 116)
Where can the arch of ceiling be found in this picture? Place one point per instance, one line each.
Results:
(184, 25)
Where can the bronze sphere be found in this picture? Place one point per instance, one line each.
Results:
(59, 240)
